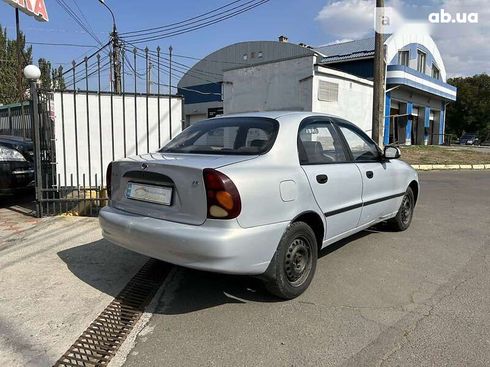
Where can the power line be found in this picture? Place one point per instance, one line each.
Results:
(184, 30)
(88, 58)
(75, 17)
(138, 76)
(176, 68)
(83, 15)
(60, 44)
(183, 21)
(103, 68)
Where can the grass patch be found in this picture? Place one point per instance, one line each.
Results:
(433, 154)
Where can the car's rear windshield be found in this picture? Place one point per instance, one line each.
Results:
(233, 135)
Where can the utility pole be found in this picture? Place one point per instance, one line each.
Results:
(170, 49)
(116, 59)
(116, 52)
(19, 56)
(379, 80)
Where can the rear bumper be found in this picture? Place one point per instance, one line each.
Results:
(217, 245)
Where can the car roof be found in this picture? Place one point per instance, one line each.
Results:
(277, 114)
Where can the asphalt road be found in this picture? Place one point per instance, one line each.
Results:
(418, 298)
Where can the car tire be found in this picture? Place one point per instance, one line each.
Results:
(294, 263)
(405, 214)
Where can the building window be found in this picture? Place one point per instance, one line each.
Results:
(252, 55)
(328, 92)
(245, 57)
(436, 74)
(421, 58)
(260, 54)
(403, 57)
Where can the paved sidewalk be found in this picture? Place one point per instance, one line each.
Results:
(55, 278)
(15, 216)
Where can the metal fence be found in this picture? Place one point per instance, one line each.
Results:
(15, 119)
(84, 125)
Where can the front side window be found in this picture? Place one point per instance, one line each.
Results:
(236, 135)
(362, 148)
(319, 143)
(421, 58)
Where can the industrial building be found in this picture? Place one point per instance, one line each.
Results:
(335, 79)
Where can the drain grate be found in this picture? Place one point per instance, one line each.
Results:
(100, 341)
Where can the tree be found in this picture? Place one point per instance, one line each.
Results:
(9, 91)
(9, 66)
(50, 78)
(471, 111)
(46, 82)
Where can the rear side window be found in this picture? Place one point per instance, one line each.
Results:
(234, 135)
(319, 143)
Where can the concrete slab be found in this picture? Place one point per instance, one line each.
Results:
(55, 278)
(420, 297)
(16, 214)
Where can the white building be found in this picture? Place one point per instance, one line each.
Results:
(298, 84)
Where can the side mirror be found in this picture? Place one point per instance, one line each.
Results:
(391, 152)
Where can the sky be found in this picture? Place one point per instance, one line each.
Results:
(465, 48)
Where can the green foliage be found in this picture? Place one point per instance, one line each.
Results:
(471, 111)
(50, 78)
(9, 66)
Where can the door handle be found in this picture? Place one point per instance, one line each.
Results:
(369, 174)
(321, 179)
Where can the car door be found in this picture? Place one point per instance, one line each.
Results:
(334, 179)
(381, 185)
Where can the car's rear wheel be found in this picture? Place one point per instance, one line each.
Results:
(404, 216)
(294, 263)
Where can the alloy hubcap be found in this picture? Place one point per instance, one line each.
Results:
(298, 261)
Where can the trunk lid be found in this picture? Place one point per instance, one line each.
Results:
(181, 172)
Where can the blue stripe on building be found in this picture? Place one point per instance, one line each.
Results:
(426, 125)
(409, 123)
(443, 122)
(387, 119)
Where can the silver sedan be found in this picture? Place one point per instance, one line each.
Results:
(258, 194)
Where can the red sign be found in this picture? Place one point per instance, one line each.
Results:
(35, 8)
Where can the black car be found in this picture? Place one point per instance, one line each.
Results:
(469, 139)
(16, 164)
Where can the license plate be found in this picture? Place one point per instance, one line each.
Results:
(150, 193)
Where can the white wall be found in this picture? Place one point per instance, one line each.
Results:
(67, 135)
(282, 85)
(293, 85)
(355, 99)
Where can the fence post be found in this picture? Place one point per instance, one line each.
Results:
(36, 126)
(9, 111)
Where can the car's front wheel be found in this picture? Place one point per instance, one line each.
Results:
(404, 216)
(294, 263)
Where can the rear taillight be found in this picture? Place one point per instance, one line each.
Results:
(222, 195)
(108, 177)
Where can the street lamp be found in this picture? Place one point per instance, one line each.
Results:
(32, 74)
(114, 30)
(115, 52)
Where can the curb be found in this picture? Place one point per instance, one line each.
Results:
(430, 167)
